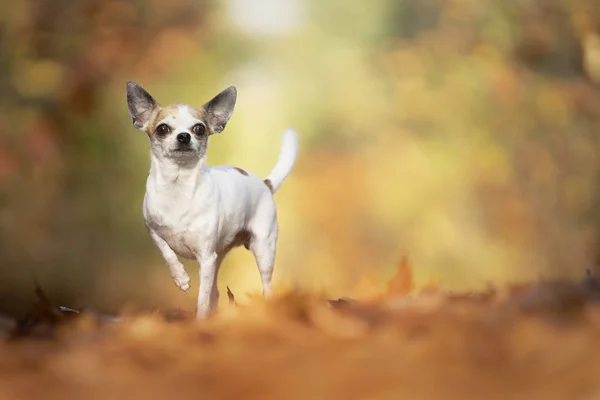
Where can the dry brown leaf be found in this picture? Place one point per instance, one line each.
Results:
(402, 282)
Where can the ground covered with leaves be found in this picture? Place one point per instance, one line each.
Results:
(534, 341)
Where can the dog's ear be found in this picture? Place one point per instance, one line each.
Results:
(140, 104)
(220, 108)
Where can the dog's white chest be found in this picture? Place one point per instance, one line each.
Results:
(175, 221)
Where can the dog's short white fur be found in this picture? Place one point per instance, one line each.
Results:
(199, 212)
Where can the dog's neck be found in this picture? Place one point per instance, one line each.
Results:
(166, 171)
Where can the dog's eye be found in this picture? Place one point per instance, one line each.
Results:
(199, 129)
(163, 129)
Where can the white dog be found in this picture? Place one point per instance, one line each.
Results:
(200, 212)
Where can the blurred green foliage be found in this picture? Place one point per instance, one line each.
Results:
(461, 133)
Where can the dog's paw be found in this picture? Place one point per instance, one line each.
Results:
(182, 281)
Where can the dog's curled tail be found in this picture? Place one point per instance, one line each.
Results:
(285, 162)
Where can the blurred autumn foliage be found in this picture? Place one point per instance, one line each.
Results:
(64, 179)
(536, 341)
(461, 133)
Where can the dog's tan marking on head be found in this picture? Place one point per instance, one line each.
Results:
(163, 113)
(269, 184)
(160, 113)
(199, 114)
(241, 171)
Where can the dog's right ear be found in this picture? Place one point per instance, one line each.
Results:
(140, 104)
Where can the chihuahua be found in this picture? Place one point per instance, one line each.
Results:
(199, 212)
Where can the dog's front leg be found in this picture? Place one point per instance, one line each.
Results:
(208, 281)
(180, 277)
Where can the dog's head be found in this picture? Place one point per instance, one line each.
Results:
(179, 131)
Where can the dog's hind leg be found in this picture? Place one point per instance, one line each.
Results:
(263, 249)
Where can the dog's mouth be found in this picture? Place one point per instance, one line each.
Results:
(183, 150)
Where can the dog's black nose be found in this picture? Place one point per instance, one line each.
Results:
(184, 137)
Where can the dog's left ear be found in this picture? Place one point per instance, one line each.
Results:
(220, 108)
(140, 104)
